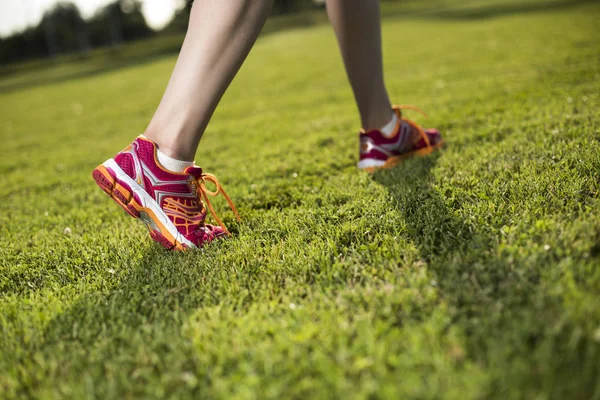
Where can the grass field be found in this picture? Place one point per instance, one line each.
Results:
(472, 273)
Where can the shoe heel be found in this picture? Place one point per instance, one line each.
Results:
(119, 193)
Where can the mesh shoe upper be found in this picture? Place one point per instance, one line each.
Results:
(177, 194)
(407, 137)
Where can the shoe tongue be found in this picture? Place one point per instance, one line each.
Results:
(194, 170)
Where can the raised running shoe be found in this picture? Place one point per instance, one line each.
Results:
(172, 205)
(379, 151)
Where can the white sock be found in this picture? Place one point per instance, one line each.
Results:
(390, 127)
(170, 163)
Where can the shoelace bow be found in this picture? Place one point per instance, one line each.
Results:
(203, 194)
(398, 109)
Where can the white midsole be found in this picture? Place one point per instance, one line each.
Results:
(147, 201)
(369, 163)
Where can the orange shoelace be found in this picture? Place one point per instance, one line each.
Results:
(398, 109)
(203, 194)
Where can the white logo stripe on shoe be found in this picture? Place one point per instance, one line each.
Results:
(147, 201)
(369, 163)
(372, 146)
(142, 170)
(157, 183)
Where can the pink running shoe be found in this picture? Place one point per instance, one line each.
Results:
(171, 204)
(378, 151)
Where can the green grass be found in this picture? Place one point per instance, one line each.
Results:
(469, 274)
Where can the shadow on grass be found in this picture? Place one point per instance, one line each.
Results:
(431, 220)
(447, 243)
(147, 304)
(494, 298)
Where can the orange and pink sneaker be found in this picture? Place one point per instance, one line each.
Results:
(378, 151)
(171, 204)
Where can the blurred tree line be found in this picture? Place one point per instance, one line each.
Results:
(62, 29)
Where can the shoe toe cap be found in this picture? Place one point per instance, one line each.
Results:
(206, 234)
(433, 135)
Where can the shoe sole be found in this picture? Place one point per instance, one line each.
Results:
(137, 202)
(395, 160)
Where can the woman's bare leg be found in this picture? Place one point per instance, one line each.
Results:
(219, 37)
(358, 29)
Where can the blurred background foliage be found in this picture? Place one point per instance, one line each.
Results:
(118, 35)
(63, 30)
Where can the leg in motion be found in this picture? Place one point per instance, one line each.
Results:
(386, 137)
(358, 30)
(154, 178)
(220, 35)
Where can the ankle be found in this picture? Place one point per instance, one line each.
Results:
(170, 148)
(377, 120)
